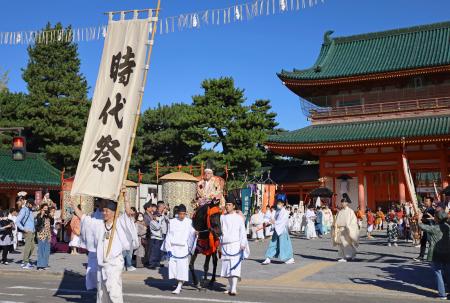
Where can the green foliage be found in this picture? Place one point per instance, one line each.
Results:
(11, 115)
(234, 130)
(57, 109)
(3, 81)
(165, 135)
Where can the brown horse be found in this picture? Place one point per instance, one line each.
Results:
(206, 221)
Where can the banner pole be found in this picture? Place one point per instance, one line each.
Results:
(136, 121)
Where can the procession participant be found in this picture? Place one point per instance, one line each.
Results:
(256, 222)
(268, 217)
(109, 277)
(280, 246)
(370, 223)
(392, 228)
(209, 188)
(380, 218)
(6, 235)
(178, 244)
(88, 240)
(346, 232)
(234, 246)
(328, 219)
(310, 216)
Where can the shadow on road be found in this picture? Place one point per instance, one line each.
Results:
(409, 278)
(71, 288)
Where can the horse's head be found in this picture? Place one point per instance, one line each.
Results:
(214, 219)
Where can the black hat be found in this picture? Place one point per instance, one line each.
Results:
(231, 200)
(30, 201)
(110, 204)
(182, 208)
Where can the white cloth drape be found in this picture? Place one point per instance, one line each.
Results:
(106, 144)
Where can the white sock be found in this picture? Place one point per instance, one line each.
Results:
(234, 281)
(178, 289)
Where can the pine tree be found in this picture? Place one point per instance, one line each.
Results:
(164, 134)
(11, 115)
(234, 130)
(57, 110)
(3, 81)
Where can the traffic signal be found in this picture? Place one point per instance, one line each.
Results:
(18, 148)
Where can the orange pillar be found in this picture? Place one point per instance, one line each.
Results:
(361, 191)
(444, 167)
(401, 186)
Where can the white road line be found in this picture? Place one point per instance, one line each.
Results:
(168, 298)
(175, 298)
(11, 302)
(26, 287)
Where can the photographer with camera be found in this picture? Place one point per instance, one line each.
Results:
(6, 235)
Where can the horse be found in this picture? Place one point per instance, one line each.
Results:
(206, 221)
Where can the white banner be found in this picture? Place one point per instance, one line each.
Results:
(106, 144)
(410, 182)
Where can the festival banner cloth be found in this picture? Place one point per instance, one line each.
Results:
(115, 104)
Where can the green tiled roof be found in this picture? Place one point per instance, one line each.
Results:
(394, 50)
(371, 130)
(34, 170)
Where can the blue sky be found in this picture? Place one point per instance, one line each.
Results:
(251, 52)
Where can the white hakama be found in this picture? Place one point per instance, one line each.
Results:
(89, 242)
(233, 240)
(109, 272)
(179, 244)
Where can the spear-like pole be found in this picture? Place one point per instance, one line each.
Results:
(136, 121)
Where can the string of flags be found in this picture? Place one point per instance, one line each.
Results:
(190, 21)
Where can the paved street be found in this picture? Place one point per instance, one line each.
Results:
(380, 272)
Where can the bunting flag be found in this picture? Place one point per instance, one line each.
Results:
(190, 21)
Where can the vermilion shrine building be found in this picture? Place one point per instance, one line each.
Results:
(369, 96)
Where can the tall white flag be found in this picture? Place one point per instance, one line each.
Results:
(106, 144)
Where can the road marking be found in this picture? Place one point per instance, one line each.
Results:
(174, 298)
(12, 295)
(169, 298)
(11, 302)
(26, 287)
(303, 272)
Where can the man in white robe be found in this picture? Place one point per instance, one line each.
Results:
(256, 222)
(345, 233)
(88, 241)
(280, 245)
(179, 244)
(110, 266)
(234, 246)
